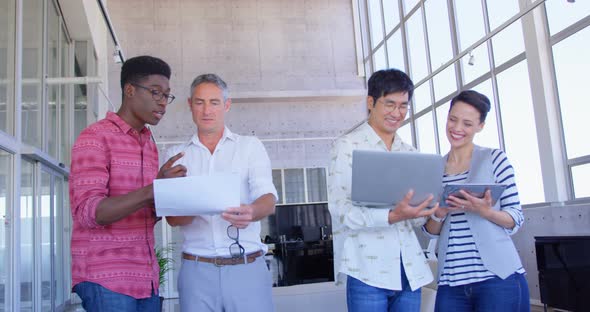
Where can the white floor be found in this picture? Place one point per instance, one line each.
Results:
(318, 297)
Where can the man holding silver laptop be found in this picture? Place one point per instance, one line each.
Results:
(376, 250)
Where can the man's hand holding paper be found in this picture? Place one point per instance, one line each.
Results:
(239, 217)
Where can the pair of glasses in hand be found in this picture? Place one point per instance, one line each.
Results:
(235, 249)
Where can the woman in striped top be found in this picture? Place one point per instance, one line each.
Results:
(479, 268)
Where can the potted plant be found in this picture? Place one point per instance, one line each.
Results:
(166, 264)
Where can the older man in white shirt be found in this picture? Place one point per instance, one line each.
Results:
(223, 267)
(376, 250)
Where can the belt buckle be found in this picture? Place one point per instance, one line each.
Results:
(220, 263)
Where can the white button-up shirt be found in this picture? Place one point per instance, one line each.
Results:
(366, 246)
(207, 235)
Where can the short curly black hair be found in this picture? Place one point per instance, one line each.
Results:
(475, 99)
(139, 67)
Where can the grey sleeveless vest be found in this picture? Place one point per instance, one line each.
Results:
(495, 246)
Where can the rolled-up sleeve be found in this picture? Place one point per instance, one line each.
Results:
(260, 171)
(89, 177)
(339, 190)
(509, 201)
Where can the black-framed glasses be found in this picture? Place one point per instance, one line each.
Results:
(157, 95)
(235, 249)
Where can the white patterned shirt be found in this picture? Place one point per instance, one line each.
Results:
(366, 246)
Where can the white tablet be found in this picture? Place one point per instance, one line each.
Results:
(475, 189)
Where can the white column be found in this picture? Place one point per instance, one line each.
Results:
(545, 102)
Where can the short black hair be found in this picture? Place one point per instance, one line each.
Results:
(475, 99)
(139, 67)
(387, 81)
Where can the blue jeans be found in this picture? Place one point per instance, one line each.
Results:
(496, 294)
(97, 298)
(361, 297)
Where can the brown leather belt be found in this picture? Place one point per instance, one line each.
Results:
(221, 261)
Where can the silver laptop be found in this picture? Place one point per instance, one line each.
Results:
(382, 179)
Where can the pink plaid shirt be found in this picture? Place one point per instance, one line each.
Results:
(110, 158)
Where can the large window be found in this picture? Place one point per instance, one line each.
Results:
(453, 45)
(33, 187)
(300, 185)
(520, 131)
(44, 100)
(569, 25)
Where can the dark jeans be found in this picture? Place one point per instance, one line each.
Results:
(496, 294)
(97, 298)
(361, 297)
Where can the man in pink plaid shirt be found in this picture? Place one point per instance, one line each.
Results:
(114, 162)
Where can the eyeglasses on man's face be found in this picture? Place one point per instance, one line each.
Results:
(157, 95)
(391, 107)
(235, 249)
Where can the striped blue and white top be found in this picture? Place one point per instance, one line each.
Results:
(463, 263)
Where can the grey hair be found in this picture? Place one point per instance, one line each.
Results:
(214, 79)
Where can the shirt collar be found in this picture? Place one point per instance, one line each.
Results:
(227, 135)
(374, 139)
(123, 125)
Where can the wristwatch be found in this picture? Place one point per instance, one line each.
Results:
(437, 219)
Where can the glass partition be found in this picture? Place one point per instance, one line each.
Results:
(27, 204)
(5, 191)
(32, 72)
(58, 253)
(7, 32)
(46, 212)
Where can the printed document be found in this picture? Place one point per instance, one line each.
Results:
(197, 195)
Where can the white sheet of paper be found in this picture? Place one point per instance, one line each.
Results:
(197, 195)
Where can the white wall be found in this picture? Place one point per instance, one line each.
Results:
(290, 66)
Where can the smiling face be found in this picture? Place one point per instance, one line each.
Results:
(387, 113)
(140, 106)
(208, 108)
(463, 122)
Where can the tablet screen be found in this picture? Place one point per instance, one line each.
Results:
(477, 190)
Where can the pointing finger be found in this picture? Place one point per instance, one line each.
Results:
(172, 160)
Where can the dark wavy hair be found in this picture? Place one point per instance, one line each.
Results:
(475, 99)
(387, 81)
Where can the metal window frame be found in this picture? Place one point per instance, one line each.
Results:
(305, 186)
(12, 142)
(525, 7)
(555, 39)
